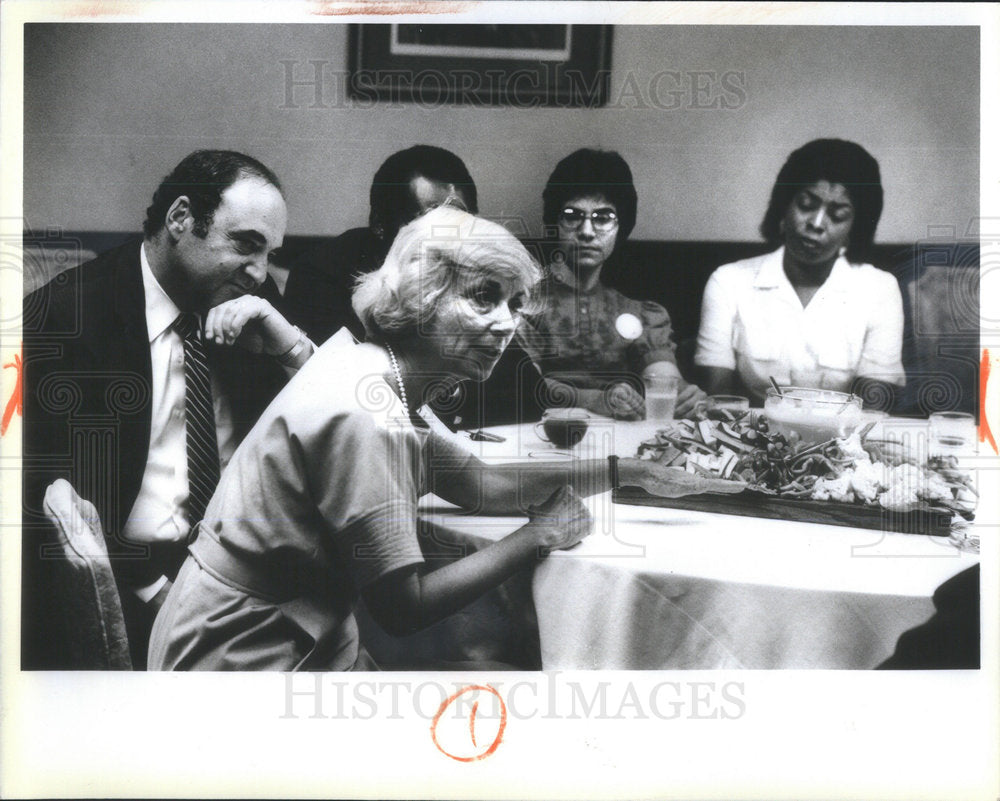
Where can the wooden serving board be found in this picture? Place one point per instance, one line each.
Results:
(748, 503)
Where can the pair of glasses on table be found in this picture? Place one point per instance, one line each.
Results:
(600, 219)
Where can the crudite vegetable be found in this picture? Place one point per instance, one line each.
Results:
(847, 470)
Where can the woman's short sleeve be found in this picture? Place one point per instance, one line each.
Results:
(364, 478)
(882, 354)
(715, 333)
(655, 344)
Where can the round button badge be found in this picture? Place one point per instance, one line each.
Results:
(629, 326)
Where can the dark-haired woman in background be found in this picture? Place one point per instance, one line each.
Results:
(591, 343)
(811, 313)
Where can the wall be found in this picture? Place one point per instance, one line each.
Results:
(110, 108)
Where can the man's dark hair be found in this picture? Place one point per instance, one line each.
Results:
(392, 204)
(592, 172)
(202, 177)
(839, 162)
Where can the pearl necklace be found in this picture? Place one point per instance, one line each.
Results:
(399, 380)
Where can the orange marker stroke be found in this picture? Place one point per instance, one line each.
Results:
(985, 434)
(472, 723)
(15, 404)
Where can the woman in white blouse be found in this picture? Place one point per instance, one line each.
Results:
(810, 313)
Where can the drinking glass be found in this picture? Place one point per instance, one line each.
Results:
(661, 396)
(951, 433)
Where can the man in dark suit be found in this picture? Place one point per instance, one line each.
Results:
(108, 403)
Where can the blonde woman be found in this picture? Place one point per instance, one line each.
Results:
(319, 505)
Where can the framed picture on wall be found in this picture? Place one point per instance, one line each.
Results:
(510, 65)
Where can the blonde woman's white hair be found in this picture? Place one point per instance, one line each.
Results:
(430, 258)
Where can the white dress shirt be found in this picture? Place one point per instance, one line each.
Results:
(158, 513)
(752, 321)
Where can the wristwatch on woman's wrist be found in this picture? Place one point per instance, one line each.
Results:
(613, 471)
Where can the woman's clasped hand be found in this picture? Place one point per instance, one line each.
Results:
(560, 522)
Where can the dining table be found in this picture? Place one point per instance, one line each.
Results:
(670, 588)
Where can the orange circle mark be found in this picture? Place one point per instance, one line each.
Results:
(472, 723)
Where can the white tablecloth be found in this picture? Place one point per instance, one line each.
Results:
(664, 588)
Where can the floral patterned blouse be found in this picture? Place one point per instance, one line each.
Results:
(596, 338)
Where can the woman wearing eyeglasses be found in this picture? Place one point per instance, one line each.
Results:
(591, 343)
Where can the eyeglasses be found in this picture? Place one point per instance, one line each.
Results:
(602, 219)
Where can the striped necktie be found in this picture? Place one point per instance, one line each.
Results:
(199, 413)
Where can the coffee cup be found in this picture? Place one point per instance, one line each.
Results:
(564, 428)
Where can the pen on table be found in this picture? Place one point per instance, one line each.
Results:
(485, 436)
